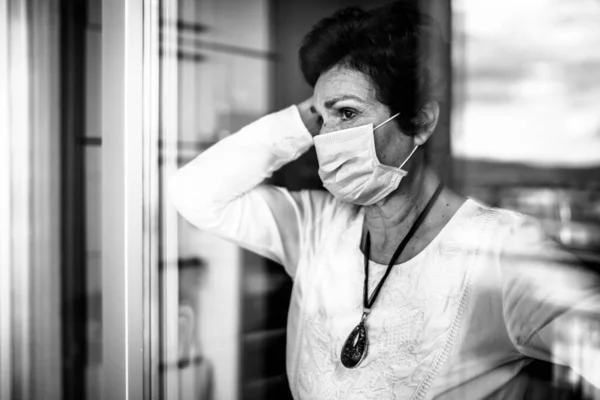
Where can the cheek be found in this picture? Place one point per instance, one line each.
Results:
(333, 123)
(389, 149)
(383, 149)
(330, 126)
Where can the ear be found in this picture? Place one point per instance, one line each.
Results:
(428, 119)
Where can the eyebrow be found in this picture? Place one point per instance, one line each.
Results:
(330, 103)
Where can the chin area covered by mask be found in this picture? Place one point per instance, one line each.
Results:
(350, 169)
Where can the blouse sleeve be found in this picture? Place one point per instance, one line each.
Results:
(222, 191)
(551, 302)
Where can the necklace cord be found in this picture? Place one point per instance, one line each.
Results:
(369, 303)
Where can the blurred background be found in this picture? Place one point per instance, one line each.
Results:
(520, 128)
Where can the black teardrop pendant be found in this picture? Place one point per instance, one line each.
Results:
(355, 347)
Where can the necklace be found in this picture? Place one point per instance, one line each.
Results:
(355, 347)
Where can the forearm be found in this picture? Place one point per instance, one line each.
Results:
(551, 303)
(202, 189)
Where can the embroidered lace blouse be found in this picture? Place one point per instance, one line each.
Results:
(459, 320)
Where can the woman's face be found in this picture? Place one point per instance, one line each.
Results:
(345, 98)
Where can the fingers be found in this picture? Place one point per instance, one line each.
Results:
(310, 116)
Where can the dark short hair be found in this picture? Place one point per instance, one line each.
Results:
(393, 45)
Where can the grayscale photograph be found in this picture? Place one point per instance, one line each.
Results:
(299, 200)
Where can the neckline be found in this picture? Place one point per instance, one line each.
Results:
(430, 245)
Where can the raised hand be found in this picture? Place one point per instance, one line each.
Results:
(312, 120)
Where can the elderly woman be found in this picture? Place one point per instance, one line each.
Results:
(402, 288)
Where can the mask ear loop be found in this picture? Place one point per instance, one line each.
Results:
(413, 150)
(387, 120)
(409, 156)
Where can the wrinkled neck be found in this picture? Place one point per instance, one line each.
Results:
(390, 220)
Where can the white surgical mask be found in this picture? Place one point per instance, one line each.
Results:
(350, 169)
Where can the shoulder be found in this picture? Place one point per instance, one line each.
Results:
(317, 207)
(517, 243)
(507, 225)
(321, 218)
(479, 221)
(496, 215)
(513, 230)
(501, 236)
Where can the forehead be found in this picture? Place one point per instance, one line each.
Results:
(342, 81)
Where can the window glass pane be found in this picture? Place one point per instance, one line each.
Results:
(91, 147)
(93, 275)
(527, 81)
(526, 131)
(222, 73)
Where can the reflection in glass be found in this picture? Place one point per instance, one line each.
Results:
(216, 60)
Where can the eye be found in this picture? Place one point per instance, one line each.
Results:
(347, 114)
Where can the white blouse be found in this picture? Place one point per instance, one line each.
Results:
(457, 321)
